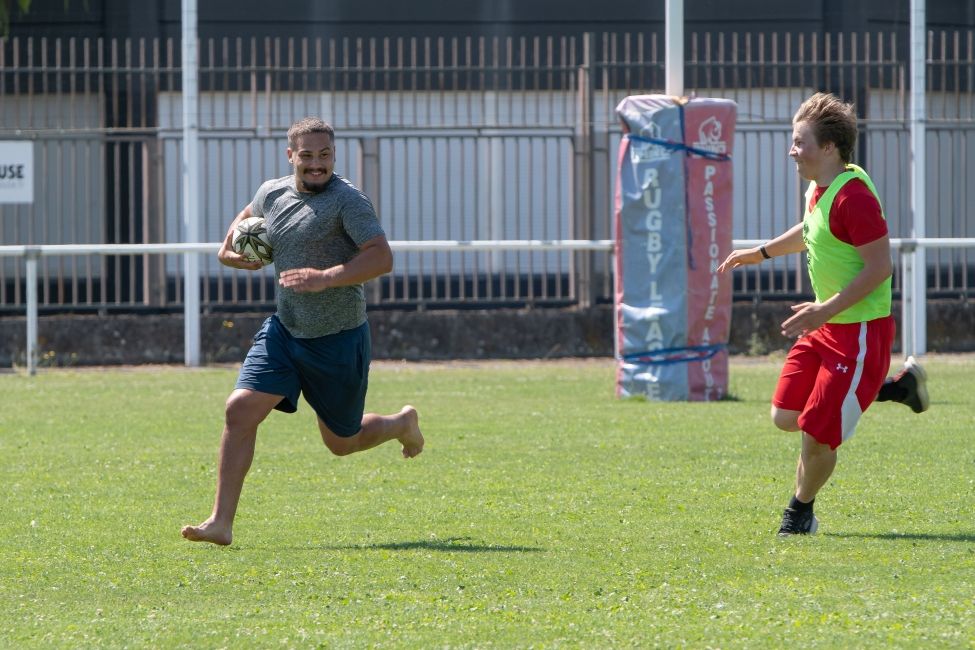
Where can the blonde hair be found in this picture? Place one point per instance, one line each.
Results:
(831, 120)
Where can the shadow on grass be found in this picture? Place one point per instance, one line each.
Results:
(645, 399)
(449, 545)
(906, 536)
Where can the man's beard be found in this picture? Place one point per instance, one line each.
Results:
(314, 187)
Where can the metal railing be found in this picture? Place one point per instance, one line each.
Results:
(454, 139)
(31, 255)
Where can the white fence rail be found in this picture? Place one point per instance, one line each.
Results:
(912, 307)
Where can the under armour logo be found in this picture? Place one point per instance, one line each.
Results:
(842, 368)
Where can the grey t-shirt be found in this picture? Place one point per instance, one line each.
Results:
(317, 231)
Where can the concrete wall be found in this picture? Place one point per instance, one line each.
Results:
(431, 335)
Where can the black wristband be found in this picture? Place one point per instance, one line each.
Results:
(761, 249)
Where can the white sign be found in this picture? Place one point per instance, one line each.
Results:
(16, 171)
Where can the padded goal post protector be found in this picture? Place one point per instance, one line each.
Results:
(672, 229)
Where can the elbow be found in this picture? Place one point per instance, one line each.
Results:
(377, 256)
(879, 270)
(387, 265)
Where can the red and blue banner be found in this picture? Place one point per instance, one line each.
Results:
(672, 230)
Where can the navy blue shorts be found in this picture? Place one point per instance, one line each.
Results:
(331, 371)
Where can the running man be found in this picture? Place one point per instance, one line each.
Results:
(839, 361)
(326, 241)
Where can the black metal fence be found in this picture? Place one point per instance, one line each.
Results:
(454, 139)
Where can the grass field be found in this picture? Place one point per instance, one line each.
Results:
(543, 513)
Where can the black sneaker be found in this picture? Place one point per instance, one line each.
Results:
(914, 382)
(795, 522)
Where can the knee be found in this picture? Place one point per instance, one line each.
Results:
(238, 413)
(340, 446)
(813, 449)
(785, 420)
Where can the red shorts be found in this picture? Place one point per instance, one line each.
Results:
(833, 374)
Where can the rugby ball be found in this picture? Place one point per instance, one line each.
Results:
(250, 240)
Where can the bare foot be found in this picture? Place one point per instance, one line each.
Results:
(208, 532)
(412, 439)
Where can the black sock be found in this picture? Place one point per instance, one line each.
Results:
(890, 392)
(796, 504)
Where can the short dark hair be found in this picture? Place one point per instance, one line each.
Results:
(831, 120)
(308, 125)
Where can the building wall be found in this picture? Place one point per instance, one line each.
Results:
(232, 18)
